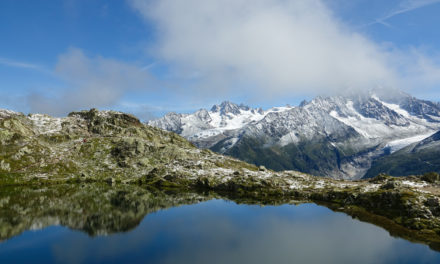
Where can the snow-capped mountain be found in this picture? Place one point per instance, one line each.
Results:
(206, 128)
(335, 136)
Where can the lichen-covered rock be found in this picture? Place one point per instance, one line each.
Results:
(4, 166)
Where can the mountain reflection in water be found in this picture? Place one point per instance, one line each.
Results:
(188, 231)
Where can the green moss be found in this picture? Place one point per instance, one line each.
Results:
(431, 177)
(381, 177)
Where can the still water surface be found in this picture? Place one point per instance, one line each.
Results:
(219, 231)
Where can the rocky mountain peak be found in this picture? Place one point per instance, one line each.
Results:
(203, 115)
(226, 107)
(303, 103)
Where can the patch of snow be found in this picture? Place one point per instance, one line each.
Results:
(414, 184)
(295, 185)
(395, 107)
(288, 139)
(353, 122)
(395, 145)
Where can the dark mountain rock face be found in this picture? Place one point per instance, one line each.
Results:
(421, 108)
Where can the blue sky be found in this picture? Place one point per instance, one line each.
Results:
(150, 57)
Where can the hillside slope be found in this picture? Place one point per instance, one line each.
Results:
(418, 158)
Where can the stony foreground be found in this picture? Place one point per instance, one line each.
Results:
(91, 147)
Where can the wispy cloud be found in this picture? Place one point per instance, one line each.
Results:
(149, 66)
(90, 82)
(23, 65)
(404, 7)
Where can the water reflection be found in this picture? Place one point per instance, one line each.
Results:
(215, 231)
(96, 209)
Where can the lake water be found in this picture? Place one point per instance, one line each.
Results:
(212, 231)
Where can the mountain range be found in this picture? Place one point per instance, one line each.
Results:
(346, 136)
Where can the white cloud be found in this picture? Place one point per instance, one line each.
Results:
(273, 48)
(281, 45)
(89, 82)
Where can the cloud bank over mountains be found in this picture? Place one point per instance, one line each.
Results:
(278, 47)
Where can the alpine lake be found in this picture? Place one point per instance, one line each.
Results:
(100, 223)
